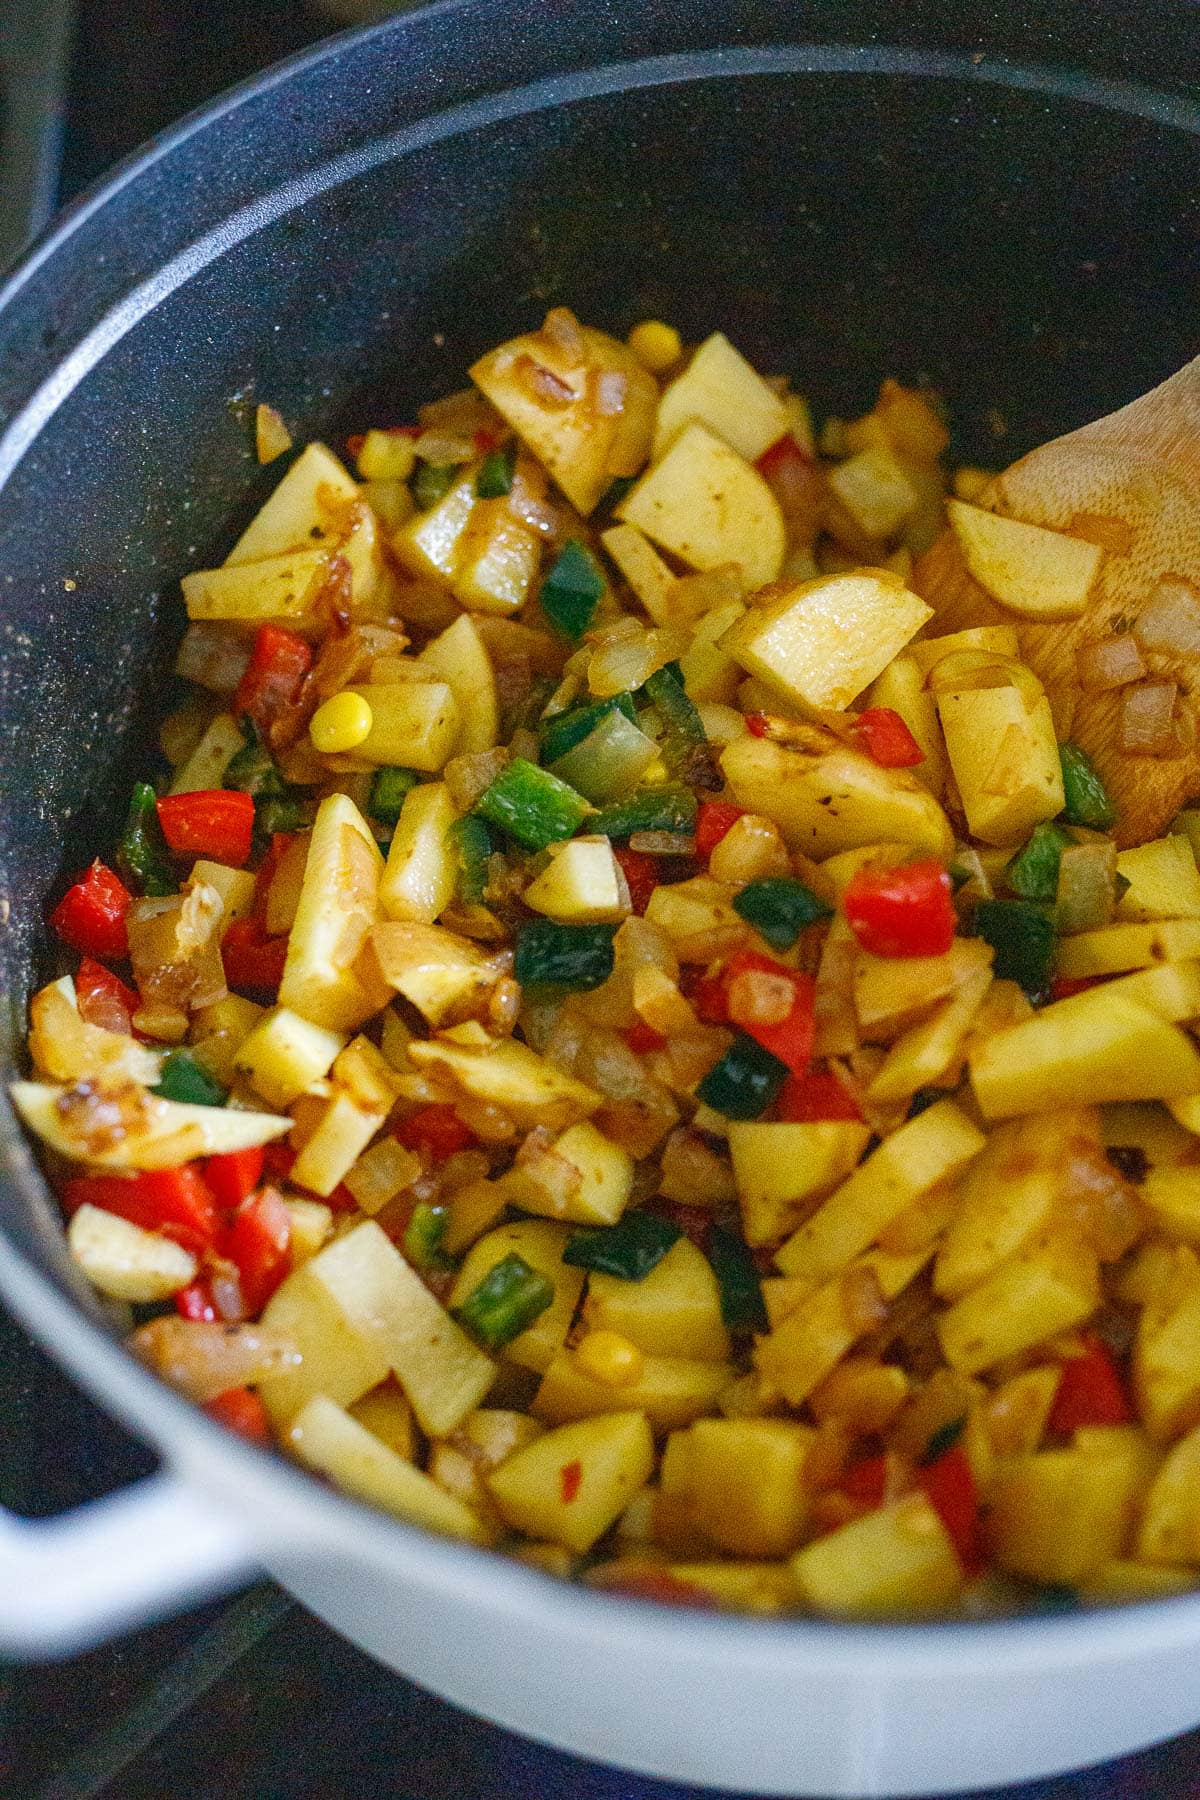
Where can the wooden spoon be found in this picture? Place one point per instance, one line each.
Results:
(1130, 481)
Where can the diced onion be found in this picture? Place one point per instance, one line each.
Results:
(1111, 663)
(204, 1360)
(444, 448)
(1146, 710)
(621, 664)
(1171, 621)
(561, 331)
(756, 997)
(1086, 886)
(467, 777)
(611, 387)
(211, 657)
(663, 843)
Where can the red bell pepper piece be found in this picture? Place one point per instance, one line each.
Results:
(213, 822)
(643, 1038)
(641, 876)
(713, 819)
(1090, 1391)
(242, 1411)
(781, 457)
(707, 995)
(866, 1481)
(886, 739)
(436, 1132)
(949, 1486)
(570, 1480)
(1063, 986)
(196, 1302)
(278, 1158)
(234, 1176)
(907, 911)
(757, 724)
(260, 1244)
(813, 1098)
(695, 1222)
(91, 915)
(251, 958)
(103, 998)
(791, 1039)
(265, 875)
(174, 1202)
(483, 442)
(278, 664)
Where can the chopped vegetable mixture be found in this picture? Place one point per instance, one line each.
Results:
(619, 1040)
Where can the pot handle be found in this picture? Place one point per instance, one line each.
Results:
(143, 1552)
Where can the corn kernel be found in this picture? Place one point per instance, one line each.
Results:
(343, 723)
(655, 345)
(386, 456)
(608, 1357)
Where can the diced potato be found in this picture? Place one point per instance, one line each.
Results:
(235, 886)
(1170, 1529)
(1059, 1515)
(386, 456)
(124, 1261)
(582, 1176)
(1171, 991)
(1149, 1128)
(643, 568)
(279, 590)
(1122, 1582)
(891, 991)
(1164, 882)
(438, 972)
(341, 1132)
(415, 724)
(995, 640)
(429, 544)
(1048, 1288)
(130, 1128)
(875, 490)
(1008, 1195)
(720, 389)
(817, 1328)
(709, 672)
(1166, 1354)
(570, 1485)
(310, 1225)
(329, 1440)
(746, 1487)
(386, 1414)
(421, 871)
(582, 447)
(510, 1075)
(1109, 1049)
(541, 1245)
(580, 885)
(1111, 949)
(308, 508)
(835, 800)
(497, 560)
(460, 657)
(1040, 574)
(925, 1054)
(1004, 755)
(1015, 1415)
(472, 1209)
(897, 1561)
(284, 1055)
(901, 687)
(673, 1311)
(781, 1169)
(820, 643)
(339, 903)
(693, 909)
(1172, 1198)
(708, 506)
(381, 1173)
(206, 766)
(337, 1358)
(220, 1030)
(66, 1048)
(287, 885)
(927, 1149)
(671, 1392)
(762, 1589)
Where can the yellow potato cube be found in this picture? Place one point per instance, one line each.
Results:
(1111, 949)
(815, 1329)
(339, 902)
(508, 1074)
(1005, 760)
(642, 567)
(421, 870)
(285, 1054)
(901, 687)
(1164, 882)
(580, 885)
(582, 1176)
(279, 590)
(1059, 1515)
(820, 643)
(125, 1262)
(780, 1169)
(541, 1245)
(836, 800)
(430, 542)
(1041, 1291)
(381, 1173)
(925, 1054)
(336, 1358)
(1172, 1198)
(460, 657)
(746, 1489)
(994, 640)
(570, 1485)
(1109, 1049)
(206, 766)
(890, 991)
(308, 509)
(235, 886)
(673, 1311)
(1166, 1354)
(875, 490)
(1150, 1128)
(1170, 1527)
(414, 724)
(1040, 574)
(1122, 1582)
(898, 1562)
(720, 389)
(311, 1224)
(1008, 1196)
(438, 972)
(708, 506)
(671, 1391)
(340, 1134)
(922, 1152)
(387, 1415)
(327, 1439)
(763, 1589)
(497, 560)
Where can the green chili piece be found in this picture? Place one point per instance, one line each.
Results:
(389, 788)
(651, 809)
(561, 733)
(742, 1307)
(1088, 801)
(628, 1250)
(142, 854)
(423, 1236)
(1033, 871)
(472, 844)
(506, 1303)
(532, 806)
(184, 1078)
(578, 957)
(495, 477)
(745, 1081)
(431, 482)
(1022, 934)
(779, 909)
(943, 1439)
(572, 590)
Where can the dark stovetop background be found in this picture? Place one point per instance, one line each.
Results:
(251, 1699)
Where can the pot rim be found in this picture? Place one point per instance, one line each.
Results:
(181, 1432)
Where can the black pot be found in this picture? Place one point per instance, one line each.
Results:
(340, 239)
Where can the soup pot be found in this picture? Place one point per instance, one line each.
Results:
(341, 238)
